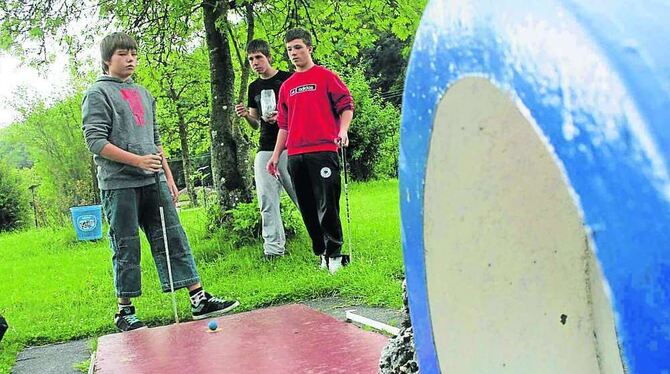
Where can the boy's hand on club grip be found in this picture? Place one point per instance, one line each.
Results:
(342, 139)
(152, 163)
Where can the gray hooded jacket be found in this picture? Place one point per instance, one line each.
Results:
(121, 113)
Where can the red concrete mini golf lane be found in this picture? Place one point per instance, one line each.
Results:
(286, 339)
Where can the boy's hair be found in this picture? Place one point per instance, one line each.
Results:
(299, 33)
(259, 45)
(112, 42)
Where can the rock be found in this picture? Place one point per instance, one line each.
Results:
(399, 356)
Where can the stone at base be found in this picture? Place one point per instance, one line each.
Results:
(399, 356)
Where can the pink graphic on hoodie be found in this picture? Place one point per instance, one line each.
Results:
(132, 96)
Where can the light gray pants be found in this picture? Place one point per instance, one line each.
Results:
(268, 190)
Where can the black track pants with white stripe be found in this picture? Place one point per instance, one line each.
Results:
(316, 179)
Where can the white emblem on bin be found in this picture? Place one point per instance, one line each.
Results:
(86, 222)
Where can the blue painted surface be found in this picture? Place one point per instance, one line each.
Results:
(595, 78)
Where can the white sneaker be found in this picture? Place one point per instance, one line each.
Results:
(324, 263)
(336, 263)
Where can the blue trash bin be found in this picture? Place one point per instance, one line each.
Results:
(87, 221)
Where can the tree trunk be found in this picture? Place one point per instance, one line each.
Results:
(229, 180)
(242, 137)
(244, 64)
(186, 158)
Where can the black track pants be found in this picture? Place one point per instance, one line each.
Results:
(316, 179)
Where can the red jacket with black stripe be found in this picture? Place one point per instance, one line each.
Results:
(309, 106)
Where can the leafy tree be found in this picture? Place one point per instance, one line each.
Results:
(385, 64)
(342, 29)
(53, 138)
(181, 92)
(14, 154)
(14, 209)
(230, 168)
(374, 132)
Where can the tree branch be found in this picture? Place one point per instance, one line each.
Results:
(237, 48)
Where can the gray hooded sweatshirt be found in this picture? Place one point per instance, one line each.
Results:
(120, 113)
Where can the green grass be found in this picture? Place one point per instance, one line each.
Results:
(82, 366)
(56, 289)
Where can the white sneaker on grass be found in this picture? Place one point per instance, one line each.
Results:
(337, 263)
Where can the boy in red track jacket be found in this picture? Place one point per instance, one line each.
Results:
(315, 109)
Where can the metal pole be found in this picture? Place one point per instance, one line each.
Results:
(165, 243)
(346, 199)
(32, 189)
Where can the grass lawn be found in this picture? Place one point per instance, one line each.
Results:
(56, 289)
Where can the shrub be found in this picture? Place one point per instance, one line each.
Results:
(242, 224)
(62, 165)
(387, 166)
(373, 137)
(14, 206)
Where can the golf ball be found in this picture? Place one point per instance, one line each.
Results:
(212, 325)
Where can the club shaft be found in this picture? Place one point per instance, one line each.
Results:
(167, 249)
(169, 266)
(346, 201)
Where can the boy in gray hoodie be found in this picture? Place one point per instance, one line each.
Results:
(118, 123)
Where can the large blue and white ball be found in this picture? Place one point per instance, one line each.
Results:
(535, 187)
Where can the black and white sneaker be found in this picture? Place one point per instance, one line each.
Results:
(126, 320)
(213, 307)
(337, 263)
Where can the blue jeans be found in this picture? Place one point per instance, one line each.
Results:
(127, 210)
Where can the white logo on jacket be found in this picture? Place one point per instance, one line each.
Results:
(303, 88)
(325, 172)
